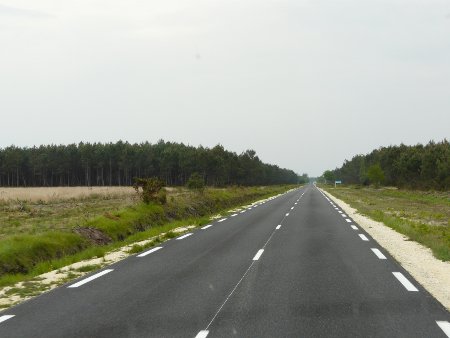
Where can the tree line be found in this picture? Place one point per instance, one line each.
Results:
(415, 167)
(102, 164)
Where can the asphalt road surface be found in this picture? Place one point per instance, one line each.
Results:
(294, 266)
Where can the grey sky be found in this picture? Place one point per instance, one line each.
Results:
(304, 83)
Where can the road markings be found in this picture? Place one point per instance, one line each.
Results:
(149, 251)
(292, 208)
(6, 317)
(348, 220)
(344, 215)
(378, 253)
(87, 280)
(354, 227)
(296, 203)
(184, 236)
(243, 211)
(287, 214)
(336, 208)
(221, 220)
(363, 237)
(406, 283)
(445, 326)
(340, 212)
(207, 226)
(202, 334)
(234, 215)
(258, 254)
(278, 227)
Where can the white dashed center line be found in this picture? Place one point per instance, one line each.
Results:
(406, 283)
(207, 226)
(184, 236)
(87, 280)
(445, 326)
(287, 214)
(378, 253)
(363, 237)
(278, 226)
(149, 251)
(202, 334)
(258, 254)
(5, 317)
(292, 208)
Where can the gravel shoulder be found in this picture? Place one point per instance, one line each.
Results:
(431, 273)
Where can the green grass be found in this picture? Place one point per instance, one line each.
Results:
(423, 217)
(27, 255)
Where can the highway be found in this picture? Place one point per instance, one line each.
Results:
(293, 266)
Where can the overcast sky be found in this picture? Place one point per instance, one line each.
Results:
(306, 84)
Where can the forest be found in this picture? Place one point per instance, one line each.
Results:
(116, 164)
(413, 167)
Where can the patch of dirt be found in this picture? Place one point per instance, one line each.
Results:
(94, 236)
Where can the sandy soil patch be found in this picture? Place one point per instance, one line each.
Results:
(431, 273)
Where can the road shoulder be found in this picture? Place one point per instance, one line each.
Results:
(431, 273)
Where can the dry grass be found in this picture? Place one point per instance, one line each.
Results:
(61, 193)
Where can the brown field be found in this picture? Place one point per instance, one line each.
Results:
(61, 193)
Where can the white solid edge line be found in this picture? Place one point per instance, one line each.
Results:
(258, 254)
(354, 227)
(206, 226)
(6, 317)
(445, 326)
(184, 236)
(278, 227)
(87, 280)
(221, 220)
(149, 251)
(406, 283)
(363, 237)
(348, 220)
(378, 253)
(202, 334)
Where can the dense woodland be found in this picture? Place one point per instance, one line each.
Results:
(416, 167)
(98, 164)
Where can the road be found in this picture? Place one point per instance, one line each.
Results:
(293, 266)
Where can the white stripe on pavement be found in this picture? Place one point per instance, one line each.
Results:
(184, 236)
(87, 280)
(221, 220)
(287, 214)
(363, 237)
(6, 317)
(234, 215)
(202, 334)
(348, 220)
(278, 227)
(149, 251)
(378, 253)
(354, 227)
(406, 283)
(207, 226)
(445, 326)
(258, 254)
